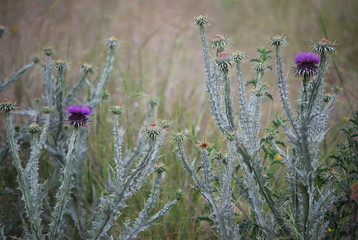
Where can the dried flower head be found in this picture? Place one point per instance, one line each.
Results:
(163, 123)
(117, 110)
(48, 51)
(203, 144)
(218, 42)
(223, 61)
(306, 64)
(6, 105)
(46, 109)
(78, 115)
(153, 131)
(238, 56)
(178, 137)
(87, 68)
(160, 167)
(33, 128)
(324, 46)
(201, 20)
(112, 42)
(278, 40)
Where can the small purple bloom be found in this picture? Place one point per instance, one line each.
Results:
(78, 115)
(306, 64)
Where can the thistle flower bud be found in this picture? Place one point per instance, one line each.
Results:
(48, 51)
(160, 167)
(3, 30)
(33, 128)
(60, 65)
(238, 56)
(260, 67)
(112, 42)
(219, 42)
(223, 61)
(46, 109)
(327, 97)
(6, 105)
(117, 110)
(153, 131)
(178, 137)
(203, 144)
(324, 46)
(278, 40)
(164, 123)
(87, 68)
(105, 95)
(35, 59)
(201, 20)
(179, 194)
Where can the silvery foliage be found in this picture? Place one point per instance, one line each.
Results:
(130, 174)
(307, 204)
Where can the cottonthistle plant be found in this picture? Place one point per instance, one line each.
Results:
(307, 203)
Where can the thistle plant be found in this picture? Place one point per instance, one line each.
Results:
(307, 203)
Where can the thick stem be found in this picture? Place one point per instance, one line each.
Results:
(228, 102)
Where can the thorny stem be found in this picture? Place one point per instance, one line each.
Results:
(24, 186)
(228, 102)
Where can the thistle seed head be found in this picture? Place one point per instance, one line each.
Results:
(6, 105)
(218, 42)
(238, 56)
(260, 67)
(178, 137)
(60, 65)
(223, 61)
(153, 131)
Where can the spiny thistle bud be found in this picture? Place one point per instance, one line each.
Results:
(46, 109)
(6, 105)
(60, 65)
(153, 131)
(112, 42)
(87, 68)
(117, 110)
(33, 128)
(48, 51)
(164, 123)
(35, 59)
(179, 194)
(278, 40)
(230, 136)
(178, 137)
(203, 144)
(105, 95)
(327, 97)
(238, 56)
(306, 64)
(324, 46)
(201, 20)
(78, 115)
(223, 61)
(160, 167)
(3, 30)
(219, 42)
(260, 67)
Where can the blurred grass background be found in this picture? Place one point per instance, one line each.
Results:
(160, 57)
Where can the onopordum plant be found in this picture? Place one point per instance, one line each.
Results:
(126, 178)
(298, 211)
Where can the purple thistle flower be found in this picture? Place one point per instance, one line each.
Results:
(306, 64)
(78, 115)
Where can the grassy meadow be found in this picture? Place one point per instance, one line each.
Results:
(160, 58)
